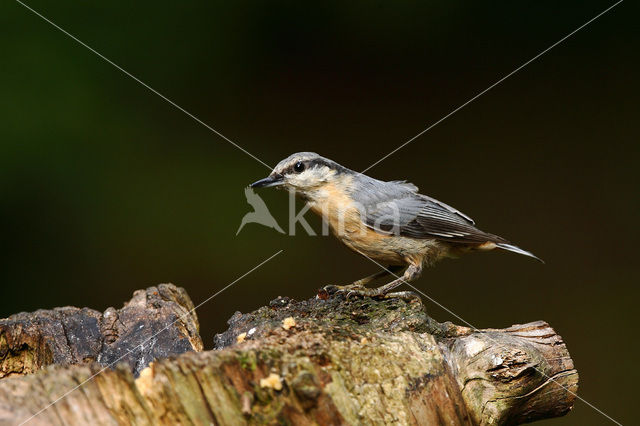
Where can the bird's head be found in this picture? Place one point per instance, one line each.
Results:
(303, 173)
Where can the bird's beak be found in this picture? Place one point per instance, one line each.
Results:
(268, 181)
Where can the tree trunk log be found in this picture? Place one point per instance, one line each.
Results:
(321, 361)
(31, 341)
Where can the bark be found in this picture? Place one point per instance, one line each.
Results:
(155, 323)
(321, 361)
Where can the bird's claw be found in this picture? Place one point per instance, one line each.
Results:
(353, 290)
(341, 289)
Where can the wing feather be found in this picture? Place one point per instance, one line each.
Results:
(396, 207)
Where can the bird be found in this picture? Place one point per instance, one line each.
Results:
(260, 214)
(389, 222)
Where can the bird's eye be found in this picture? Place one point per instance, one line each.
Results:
(299, 167)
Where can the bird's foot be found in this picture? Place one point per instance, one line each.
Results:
(341, 289)
(356, 290)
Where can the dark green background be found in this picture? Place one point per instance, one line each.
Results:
(106, 188)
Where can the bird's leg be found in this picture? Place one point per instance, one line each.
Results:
(387, 271)
(412, 272)
(359, 284)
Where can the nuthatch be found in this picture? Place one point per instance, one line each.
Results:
(389, 222)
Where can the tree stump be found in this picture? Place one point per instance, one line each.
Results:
(133, 334)
(327, 360)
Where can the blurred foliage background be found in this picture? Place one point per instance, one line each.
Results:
(106, 188)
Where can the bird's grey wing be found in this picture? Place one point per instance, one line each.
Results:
(450, 209)
(401, 210)
(435, 221)
(391, 216)
(385, 206)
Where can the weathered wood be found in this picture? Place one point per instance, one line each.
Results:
(133, 334)
(331, 361)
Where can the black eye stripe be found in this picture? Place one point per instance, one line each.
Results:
(316, 162)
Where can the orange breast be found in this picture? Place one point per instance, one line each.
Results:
(344, 220)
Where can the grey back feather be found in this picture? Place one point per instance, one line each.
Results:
(396, 207)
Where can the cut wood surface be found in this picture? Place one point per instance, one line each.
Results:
(327, 360)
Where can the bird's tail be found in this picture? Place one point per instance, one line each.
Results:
(516, 249)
